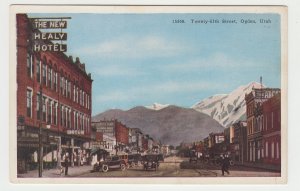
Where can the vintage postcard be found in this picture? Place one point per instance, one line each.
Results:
(148, 94)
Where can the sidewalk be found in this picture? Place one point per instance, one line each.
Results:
(276, 168)
(55, 173)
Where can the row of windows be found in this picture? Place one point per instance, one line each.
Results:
(263, 122)
(47, 112)
(48, 77)
(266, 152)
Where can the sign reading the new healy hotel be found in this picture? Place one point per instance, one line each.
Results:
(43, 41)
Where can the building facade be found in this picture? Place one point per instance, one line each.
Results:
(271, 130)
(115, 130)
(54, 101)
(239, 141)
(254, 111)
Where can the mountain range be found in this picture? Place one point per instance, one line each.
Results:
(227, 108)
(170, 125)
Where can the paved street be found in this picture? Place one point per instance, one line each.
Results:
(171, 168)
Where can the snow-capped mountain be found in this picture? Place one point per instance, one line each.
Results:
(227, 108)
(157, 106)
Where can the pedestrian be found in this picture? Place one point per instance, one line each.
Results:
(66, 163)
(225, 164)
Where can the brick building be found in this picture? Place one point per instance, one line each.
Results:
(53, 93)
(121, 134)
(239, 141)
(114, 129)
(254, 111)
(271, 130)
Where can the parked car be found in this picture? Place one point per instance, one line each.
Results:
(134, 159)
(111, 162)
(151, 161)
(193, 156)
(125, 158)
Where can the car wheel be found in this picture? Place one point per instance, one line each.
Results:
(123, 167)
(105, 168)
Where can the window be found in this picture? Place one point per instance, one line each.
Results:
(61, 115)
(29, 103)
(77, 95)
(277, 150)
(272, 150)
(88, 102)
(55, 80)
(74, 93)
(69, 90)
(44, 109)
(38, 113)
(50, 77)
(88, 123)
(38, 70)
(80, 97)
(44, 73)
(65, 117)
(83, 96)
(81, 122)
(49, 112)
(29, 65)
(55, 113)
(63, 85)
(69, 119)
(74, 120)
(267, 149)
(66, 87)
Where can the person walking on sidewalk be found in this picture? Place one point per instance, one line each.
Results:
(225, 164)
(66, 163)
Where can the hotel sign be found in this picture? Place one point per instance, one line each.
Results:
(49, 40)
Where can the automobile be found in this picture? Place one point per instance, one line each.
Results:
(134, 159)
(151, 161)
(125, 158)
(111, 162)
(193, 156)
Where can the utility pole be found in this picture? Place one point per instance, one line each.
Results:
(40, 158)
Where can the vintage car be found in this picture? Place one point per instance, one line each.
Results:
(151, 161)
(111, 162)
(134, 159)
(193, 156)
(124, 157)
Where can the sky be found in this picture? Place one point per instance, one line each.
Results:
(141, 59)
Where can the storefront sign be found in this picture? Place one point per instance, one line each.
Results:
(75, 132)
